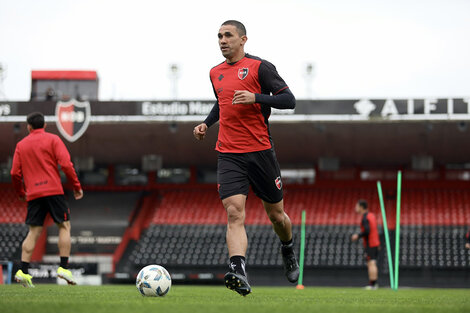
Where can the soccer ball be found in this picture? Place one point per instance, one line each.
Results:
(153, 281)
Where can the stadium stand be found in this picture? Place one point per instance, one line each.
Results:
(98, 224)
(99, 221)
(331, 205)
(434, 247)
(11, 237)
(328, 206)
(187, 229)
(12, 210)
(12, 228)
(205, 245)
(327, 246)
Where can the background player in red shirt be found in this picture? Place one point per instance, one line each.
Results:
(35, 177)
(246, 88)
(370, 236)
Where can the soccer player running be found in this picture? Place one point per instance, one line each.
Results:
(370, 235)
(246, 88)
(36, 179)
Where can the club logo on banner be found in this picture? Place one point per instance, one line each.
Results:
(72, 118)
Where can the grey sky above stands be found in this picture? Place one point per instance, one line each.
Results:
(359, 49)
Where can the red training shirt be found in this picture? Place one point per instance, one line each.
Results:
(36, 162)
(244, 127)
(369, 222)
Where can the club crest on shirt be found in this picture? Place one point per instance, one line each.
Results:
(278, 182)
(242, 73)
(72, 118)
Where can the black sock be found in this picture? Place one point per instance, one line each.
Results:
(237, 264)
(25, 267)
(287, 243)
(372, 282)
(64, 261)
(287, 247)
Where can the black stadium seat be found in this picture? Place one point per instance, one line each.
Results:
(11, 237)
(326, 246)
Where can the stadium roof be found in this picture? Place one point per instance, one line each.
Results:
(64, 75)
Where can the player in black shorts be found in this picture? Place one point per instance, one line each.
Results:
(36, 179)
(371, 253)
(246, 88)
(237, 171)
(370, 235)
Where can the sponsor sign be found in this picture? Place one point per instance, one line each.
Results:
(72, 117)
(177, 108)
(47, 272)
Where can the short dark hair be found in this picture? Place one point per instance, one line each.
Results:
(362, 203)
(240, 27)
(36, 120)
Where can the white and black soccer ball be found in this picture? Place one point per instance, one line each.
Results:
(153, 281)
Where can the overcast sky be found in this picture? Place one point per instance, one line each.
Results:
(360, 49)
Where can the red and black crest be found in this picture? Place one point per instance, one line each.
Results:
(72, 118)
(278, 182)
(242, 73)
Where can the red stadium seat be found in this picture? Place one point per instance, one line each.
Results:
(12, 210)
(324, 206)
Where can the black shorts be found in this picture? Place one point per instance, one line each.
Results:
(371, 253)
(55, 205)
(236, 172)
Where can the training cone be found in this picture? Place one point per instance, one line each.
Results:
(300, 287)
(1, 275)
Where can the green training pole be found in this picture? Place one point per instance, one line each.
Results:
(387, 239)
(397, 240)
(302, 252)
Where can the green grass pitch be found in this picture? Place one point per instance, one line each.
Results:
(193, 299)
